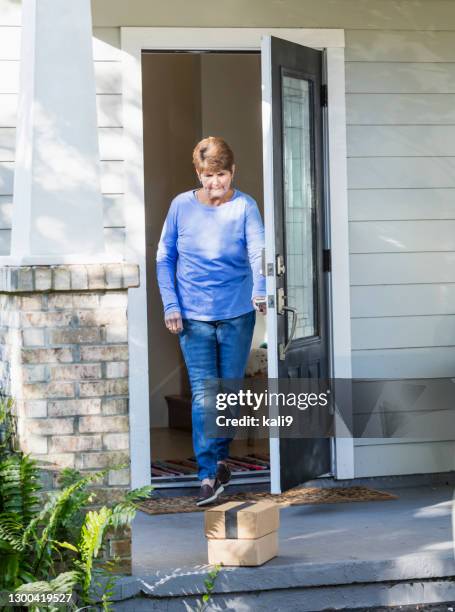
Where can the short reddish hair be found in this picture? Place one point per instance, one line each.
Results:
(213, 154)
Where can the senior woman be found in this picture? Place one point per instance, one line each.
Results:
(209, 275)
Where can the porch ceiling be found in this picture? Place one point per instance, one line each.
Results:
(349, 14)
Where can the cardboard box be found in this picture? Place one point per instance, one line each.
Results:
(243, 552)
(242, 520)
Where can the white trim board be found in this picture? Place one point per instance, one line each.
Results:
(133, 42)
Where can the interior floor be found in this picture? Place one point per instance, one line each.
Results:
(172, 455)
(176, 444)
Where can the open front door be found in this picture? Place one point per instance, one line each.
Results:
(296, 256)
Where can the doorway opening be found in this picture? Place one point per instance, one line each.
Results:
(186, 97)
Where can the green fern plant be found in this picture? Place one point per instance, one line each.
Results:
(92, 537)
(106, 584)
(58, 511)
(36, 533)
(64, 583)
(8, 430)
(18, 506)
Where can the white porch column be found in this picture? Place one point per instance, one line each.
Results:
(57, 206)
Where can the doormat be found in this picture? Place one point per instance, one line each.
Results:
(294, 497)
(255, 462)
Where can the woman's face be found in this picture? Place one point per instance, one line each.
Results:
(216, 184)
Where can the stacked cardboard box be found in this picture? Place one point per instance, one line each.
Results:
(242, 533)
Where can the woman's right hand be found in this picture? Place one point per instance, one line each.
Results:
(173, 321)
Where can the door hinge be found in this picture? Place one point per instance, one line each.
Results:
(326, 260)
(324, 95)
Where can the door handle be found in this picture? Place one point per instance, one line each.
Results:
(283, 348)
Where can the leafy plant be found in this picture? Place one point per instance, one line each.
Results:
(209, 584)
(93, 531)
(37, 552)
(18, 507)
(8, 431)
(64, 583)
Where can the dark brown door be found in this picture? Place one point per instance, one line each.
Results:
(301, 257)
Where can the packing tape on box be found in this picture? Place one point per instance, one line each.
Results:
(230, 518)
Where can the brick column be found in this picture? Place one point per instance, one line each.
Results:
(64, 360)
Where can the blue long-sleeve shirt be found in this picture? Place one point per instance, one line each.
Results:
(209, 257)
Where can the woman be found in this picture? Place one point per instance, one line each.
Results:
(208, 268)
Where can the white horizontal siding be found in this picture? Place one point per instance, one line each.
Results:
(400, 137)
(400, 46)
(114, 240)
(9, 83)
(367, 441)
(381, 77)
(114, 213)
(403, 332)
(10, 43)
(6, 211)
(10, 16)
(112, 175)
(106, 44)
(412, 458)
(401, 236)
(7, 144)
(404, 426)
(111, 144)
(10, 13)
(401, 140)
(107, 55)
(402, 300)
(6, 178)
(107, 77)
(400, 109)
(428, 362)
(8, 109)
(401, 172)
(5, 241)
(402, 268)
(401, 204)
(109, 108)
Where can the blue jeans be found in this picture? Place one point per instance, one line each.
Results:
(213, 349)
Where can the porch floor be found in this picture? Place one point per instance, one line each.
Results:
(323, 545)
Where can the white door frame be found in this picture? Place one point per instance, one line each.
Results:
(133, 42)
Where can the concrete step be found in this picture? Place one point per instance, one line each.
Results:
(348, 597)
(337, 556)
(304, 587)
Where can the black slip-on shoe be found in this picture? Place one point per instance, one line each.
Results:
(208, 494)
(223, 473)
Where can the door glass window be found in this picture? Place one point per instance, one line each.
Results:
(299, 204)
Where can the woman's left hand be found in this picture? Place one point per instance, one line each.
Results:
(260, 304)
